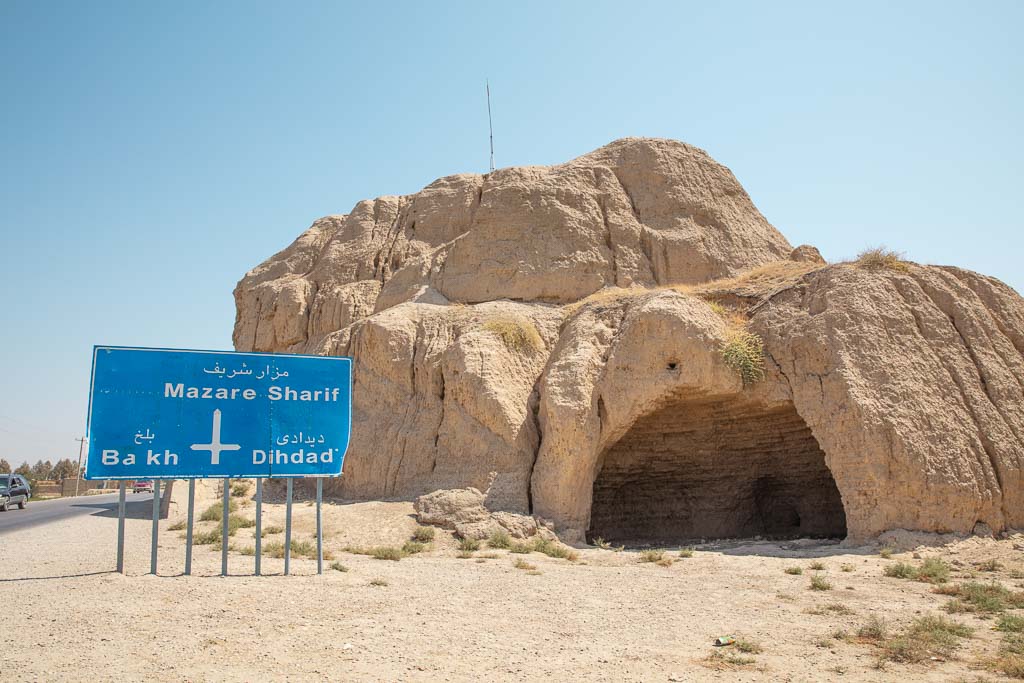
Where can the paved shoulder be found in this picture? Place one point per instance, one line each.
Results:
(41, 512)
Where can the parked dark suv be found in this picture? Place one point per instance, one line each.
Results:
(14, 490)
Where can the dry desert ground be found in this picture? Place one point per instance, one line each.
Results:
(438, 616)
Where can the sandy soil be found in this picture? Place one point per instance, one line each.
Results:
(435, 617)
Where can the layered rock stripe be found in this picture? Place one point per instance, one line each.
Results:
(552, 336)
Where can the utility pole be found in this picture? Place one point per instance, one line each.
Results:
(78, 474)
(490, 126)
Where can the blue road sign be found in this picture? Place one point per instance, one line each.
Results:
(176, 414)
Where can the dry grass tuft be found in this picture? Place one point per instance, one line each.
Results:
(240, 488)
(499, 539)
(726, 661)
(992, 565)
(880, 258)
(926, 637)
(423, 534)
(387, 552)
(751, 647)
(795, 571)
(875, 630)
(469, 545)
(517, 333)
(520, 563)
(757, 282)
(653, 556)
(555, 549)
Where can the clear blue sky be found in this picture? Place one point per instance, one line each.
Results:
(152, 152)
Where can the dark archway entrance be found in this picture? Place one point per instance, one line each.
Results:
(715, 468)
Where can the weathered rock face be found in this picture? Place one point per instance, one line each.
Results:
(553, 337)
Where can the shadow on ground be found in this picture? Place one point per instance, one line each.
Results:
(139, 509)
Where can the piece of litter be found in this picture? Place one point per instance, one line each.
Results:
(721, 641)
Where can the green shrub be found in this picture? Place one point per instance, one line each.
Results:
(932, 570)
(423, 534)
(523, 564)
(213, 513)
(469, 545)
(248, 550)
(686, 553)
(795, 571)
(338, 567)
(981, 597)
(236, 522)
(239, 489)
(820, 583)
(520, 547)
(846, 567)
(413, 547)
(743, 351)
(900, 570)
(927, 637)
(272, 529)
(499, 539)
(817, 565)
(1011, 623)
(886, 552)
(1013, 643)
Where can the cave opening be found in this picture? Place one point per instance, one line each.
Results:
(713, 468)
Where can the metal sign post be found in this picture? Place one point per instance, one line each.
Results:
(319, 526)
(120, 528)
(156, 526)
(165, 414)
(259, 524)
(288, 528)
(225, 513)
(188, 529)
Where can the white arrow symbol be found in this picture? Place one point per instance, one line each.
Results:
(215, 446)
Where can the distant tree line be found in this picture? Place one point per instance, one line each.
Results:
(43, 469)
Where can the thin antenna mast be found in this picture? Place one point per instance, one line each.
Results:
(490, 125)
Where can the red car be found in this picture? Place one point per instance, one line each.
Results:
(142, 486)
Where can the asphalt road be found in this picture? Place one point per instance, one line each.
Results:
(37, 513)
